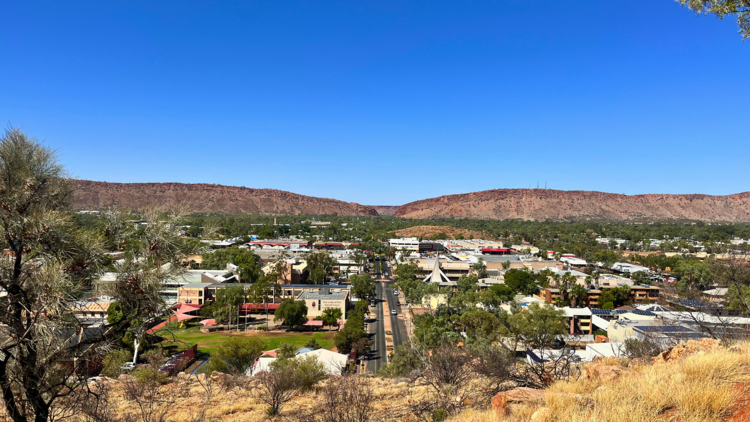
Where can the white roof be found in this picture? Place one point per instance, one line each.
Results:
(569, 312)
(606, 350)
(334, 362)
(573, 261)
(599, 322)
(719, 291)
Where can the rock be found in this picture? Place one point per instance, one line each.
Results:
(605, 373)
(517, 395)
(202, 377)
(542, 415)
(685, 349)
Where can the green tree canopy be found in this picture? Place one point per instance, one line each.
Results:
(320, 264)
(538, 326)
(248, 262)
(235, 354)
(521, 281)
(740, 9)
(291, 312)
(363, 286)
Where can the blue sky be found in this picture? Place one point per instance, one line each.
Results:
(384, 102)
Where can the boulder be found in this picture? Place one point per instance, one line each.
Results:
(688, 348)
(605, 373)
(517, 395)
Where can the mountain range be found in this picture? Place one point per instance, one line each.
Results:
(525, 204)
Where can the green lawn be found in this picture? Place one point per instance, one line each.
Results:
(208, 342)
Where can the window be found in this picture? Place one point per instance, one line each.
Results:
(200, 293)
(200, 301)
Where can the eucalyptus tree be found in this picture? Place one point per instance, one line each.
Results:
(50, 265)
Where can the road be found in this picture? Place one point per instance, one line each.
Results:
(377, 357)
(384, 294)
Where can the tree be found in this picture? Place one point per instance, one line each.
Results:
(320, 264)
(249, 264)
(538, 326)
(229, 300)
(291, 312)
(331, 316)
(521, 281)
(579, 295)
(481, 326)
(114, 361)
(50, 264)
(352, 336)
(363, 286)
(236, 354)
(723, 8)
(480, 268)
(640, 277)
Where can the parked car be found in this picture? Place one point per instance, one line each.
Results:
(93, 379)
(394, 312)
(128, 366)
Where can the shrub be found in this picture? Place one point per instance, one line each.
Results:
(113, 362)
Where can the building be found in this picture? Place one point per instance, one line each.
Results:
(429, 246)
(193, 293)
(624, 267)
(579, 321)
(408, 243)
(638, 294)
(320, 299)
(295, 270)
(335, 363)
(453, 270)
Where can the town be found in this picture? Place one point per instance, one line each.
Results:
(368, 306)
(374, 211)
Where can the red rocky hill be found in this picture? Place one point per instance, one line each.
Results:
(201, 197)
(547, 204)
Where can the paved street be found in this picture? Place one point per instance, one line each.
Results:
(384, 294)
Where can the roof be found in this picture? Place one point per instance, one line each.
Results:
(719, 291)
(576, 311)
(437, 275)
(317, 295)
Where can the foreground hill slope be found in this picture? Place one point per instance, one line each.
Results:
(548, 204)
(208, 198)
(702, 381)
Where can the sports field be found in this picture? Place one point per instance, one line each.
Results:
(208, 342)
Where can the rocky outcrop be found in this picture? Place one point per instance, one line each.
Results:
(206, 198)
(385, 209)
(427, 232)
(547, 204)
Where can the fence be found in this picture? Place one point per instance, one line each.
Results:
(180, 361)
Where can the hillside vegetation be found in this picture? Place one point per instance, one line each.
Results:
(698, 382)
(548, 204)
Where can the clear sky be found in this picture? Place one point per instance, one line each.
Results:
(383, 102)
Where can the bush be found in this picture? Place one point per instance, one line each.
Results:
(645, 348)
(312, 344)
(262, 328)
(113, 362)
(236, 355)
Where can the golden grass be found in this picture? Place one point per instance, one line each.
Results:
(704, 387)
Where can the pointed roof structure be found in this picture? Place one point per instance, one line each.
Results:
(437, 275)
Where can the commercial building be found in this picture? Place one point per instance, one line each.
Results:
(320, 299)
(408, 243)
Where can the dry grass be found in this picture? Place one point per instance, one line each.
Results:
(703, 387)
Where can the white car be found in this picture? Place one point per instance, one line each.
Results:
(128, 366)
(394, 312)
(93, 379)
